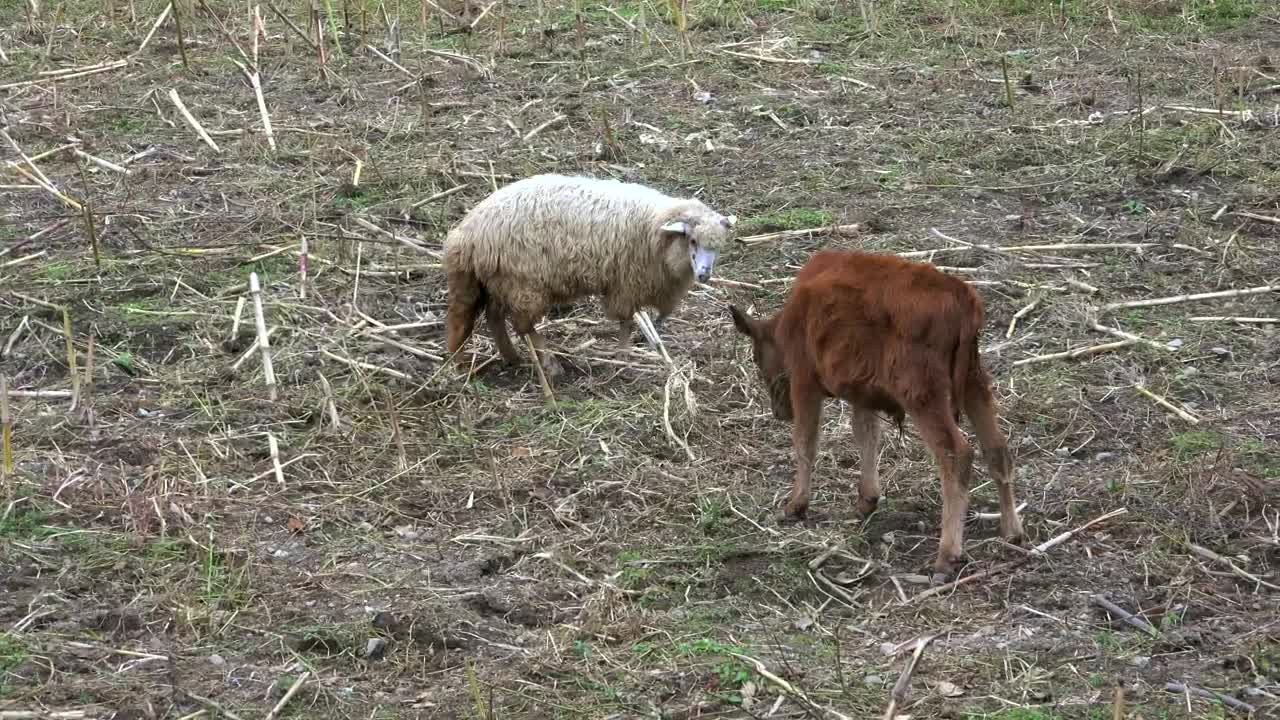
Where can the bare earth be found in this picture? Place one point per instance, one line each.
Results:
(461, 548)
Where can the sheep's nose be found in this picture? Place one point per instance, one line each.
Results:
(704, 276)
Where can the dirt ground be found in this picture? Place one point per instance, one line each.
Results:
(437, 547)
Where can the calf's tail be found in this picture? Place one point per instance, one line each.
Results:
(965, 360)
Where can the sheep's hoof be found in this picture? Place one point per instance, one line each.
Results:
(553, 369)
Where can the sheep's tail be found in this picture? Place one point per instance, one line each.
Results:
(467, 297)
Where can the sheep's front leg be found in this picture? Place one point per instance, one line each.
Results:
(550, 365)
(624, 334)
(525, 323)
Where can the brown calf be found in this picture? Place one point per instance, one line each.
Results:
(888, 335)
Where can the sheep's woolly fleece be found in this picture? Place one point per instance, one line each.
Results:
(550, 239)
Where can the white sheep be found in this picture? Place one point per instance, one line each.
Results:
(551, 239)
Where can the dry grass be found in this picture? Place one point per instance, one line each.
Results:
(173, 542)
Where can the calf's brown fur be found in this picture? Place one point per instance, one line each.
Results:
(893, 336)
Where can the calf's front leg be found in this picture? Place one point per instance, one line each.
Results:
(806, 408)
(866, 430)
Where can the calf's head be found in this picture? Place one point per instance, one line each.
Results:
(768, 359)
(694, 237)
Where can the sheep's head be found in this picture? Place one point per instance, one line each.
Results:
(696, 236)
(768, 359)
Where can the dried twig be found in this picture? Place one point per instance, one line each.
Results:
(251, 350)
(104, 164)
(837, 230)
(1189, 298)
(191, 120)
(273, 448)
(787, 687)
(1124, 615)
(1260, 218)
(537, 366)
(1235, 318)
(1130, 336)
(292, 25)
(1168, 405)
(392, 63)
(1013, 322)
(255, 80)
(1038, 551)
(154, 27)
(293, 690)
(763, 58)
(69, 76)
(1075, 353)
(365, 365)
(440, 195)
(534, 132)
(6, 431)
(900, 688)
(264, 340)
(1184, 689)
(1212, 556)
(395, 236)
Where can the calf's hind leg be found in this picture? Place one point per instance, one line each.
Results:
(951, 450)
(981, 408)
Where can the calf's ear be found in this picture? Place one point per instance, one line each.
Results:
(742, 322)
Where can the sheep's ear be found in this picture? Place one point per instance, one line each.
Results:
(677, 227)
(742, 322)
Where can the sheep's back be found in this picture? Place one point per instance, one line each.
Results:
(567, 236)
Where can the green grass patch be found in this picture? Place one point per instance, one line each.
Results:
(13, 652)
(799, 218)
(1194, 443)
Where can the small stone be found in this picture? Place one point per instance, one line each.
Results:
(1140, 661)
(1040, 695)
(702, 96)
(407, 532)
(1175, 343)
(948, 689)
(1219, 351)
(375, 648)
(280, 554)
(873, 681)
(217, 660)
(1105, 457)
(888, 648)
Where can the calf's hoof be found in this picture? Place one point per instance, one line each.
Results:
(944, 570)
(795, 510)
(1012, 532)
(866, 505)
